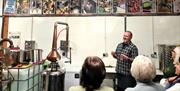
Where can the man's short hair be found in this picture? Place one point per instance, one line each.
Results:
(130, 33)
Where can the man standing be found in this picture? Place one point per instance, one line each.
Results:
(125, 53)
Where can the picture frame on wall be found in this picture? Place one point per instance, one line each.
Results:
(164, 6)
(119, 6)
(75, 7)
(104, 6)
(176, 6)
(133, 6)
(10, 7)
(22, 7)
(35, 7)
(89, 6)
(148, 6)
(48, 7)
(62, 7)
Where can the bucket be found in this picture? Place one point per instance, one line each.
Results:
(36, 55)
(17, 56)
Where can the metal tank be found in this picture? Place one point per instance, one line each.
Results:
(164, 52)
(53, 78)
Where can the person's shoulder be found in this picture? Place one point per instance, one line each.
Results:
(120, 43)
(175, 87)
(132, 44)
(105, 88)
(159, 87)
(76, 88)
(129, 89)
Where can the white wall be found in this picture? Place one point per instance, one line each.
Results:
(167, 30)
(100, 34)
(87, 35)
(1, 5)
(142, 33)
(22, 25)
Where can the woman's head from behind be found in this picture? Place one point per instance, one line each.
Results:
(142, 69)
(92, 73)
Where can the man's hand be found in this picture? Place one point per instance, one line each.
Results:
(123, 57)
(114, 54)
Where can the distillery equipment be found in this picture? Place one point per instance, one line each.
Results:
(164, 51)
(6, 60)
(53, 76)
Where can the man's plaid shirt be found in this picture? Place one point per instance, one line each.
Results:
(130, 50)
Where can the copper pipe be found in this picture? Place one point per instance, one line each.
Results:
(67, 42)
(3, 57)
(8, 40)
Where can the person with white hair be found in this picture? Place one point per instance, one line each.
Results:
(144, 71)
(171, 81)
(175, 83)
(175, 54)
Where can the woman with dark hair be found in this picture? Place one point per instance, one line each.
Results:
(92, 75)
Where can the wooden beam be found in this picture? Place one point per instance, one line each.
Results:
(5, 25)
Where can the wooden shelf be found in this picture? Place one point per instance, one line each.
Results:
(87, 15)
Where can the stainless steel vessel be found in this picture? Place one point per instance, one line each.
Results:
(36, 55)
(53, 78)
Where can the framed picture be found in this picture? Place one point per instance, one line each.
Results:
(133, 6)
(164, 6)
(62, 7)
(119, 6)
(148, 6)
(176, 6)
(75, 7)
(89, 6)
(35, 7)
(10, 7)
(48, 6)
(22, 7)
(104, 7)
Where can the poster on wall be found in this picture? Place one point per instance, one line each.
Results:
(62, 7)
(164, 6)
(22, 7)
(16, 38)
(35, 7)
(119, 6)
(104, 6)
(133, 6)
(10, 7)
(75, 6)
(148, 6)
(48, 7)
(88, 6)
(176, 5)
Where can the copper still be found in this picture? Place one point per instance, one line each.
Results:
(5, 59)
(53, 77)
(53, 56)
